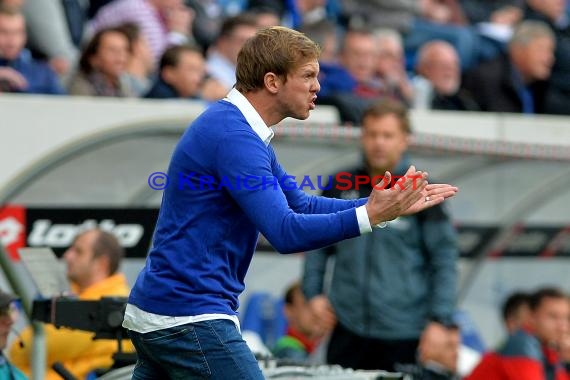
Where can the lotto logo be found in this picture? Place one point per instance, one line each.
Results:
(13, 229)
(10, 230)
(57, 235)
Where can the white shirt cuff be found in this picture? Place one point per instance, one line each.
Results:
(363, 221)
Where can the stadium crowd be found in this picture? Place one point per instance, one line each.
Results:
(468, 55)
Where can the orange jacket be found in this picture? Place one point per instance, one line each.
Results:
(75, 349)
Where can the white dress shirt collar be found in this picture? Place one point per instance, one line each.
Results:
(253, 118)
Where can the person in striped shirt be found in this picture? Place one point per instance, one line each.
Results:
(163, 22)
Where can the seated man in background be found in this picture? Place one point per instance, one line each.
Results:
(301, 338)
(555, 14)
(353, 85)
(182, 73)
(516, 311)
(532, 352)
(516, 82)
(358, 55)
(418, 22)
(19, 72)
(325, 34)
(438, 64)
(8, 316)
(391, 66)
(222, 56)
(92, 268)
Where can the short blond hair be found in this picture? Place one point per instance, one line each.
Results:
(277, 50)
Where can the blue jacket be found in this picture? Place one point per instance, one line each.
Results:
(388, 284)
(41, 78)
(224, 189)
(335, 79)
(161, 90)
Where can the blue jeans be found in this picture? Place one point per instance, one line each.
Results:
(203, 350)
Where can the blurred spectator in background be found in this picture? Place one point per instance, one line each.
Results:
(517, 81)
(297, 13)
(222, 58)
(162, 22)
(301, 337)
(140, 64)
(397, 15)
(55, 29)
(553, 12)
(439, 79)
(532, 352)
(8, 316)
(358, 55)
(371, 68)
(208, 17)
(419, 21)
(351, 84)
(92, 267)
(265, 17)
(303, 12)
(392, 290)
(102, 67)
(182, 73)
(210, 14)
(391, 66)
(494, 21)
(94, 6)
(337, 84)
(324, 33)
(502, 12)
(516, 311)
(19, 72)
(12, 4)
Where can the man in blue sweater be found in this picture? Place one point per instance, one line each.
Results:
(182, 311)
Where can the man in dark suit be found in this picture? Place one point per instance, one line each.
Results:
(553, 13)
(438, 64)
(516, 82)
(182, 73)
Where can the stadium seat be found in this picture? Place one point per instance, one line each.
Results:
(264, 316)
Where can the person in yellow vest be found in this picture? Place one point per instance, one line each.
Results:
(92, 268)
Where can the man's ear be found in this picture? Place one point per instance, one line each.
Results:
(104, 263)
(272, 82)
(517, 53)
(287, 310)
(167, 75)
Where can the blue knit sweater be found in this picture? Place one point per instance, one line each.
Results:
(209, 222)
